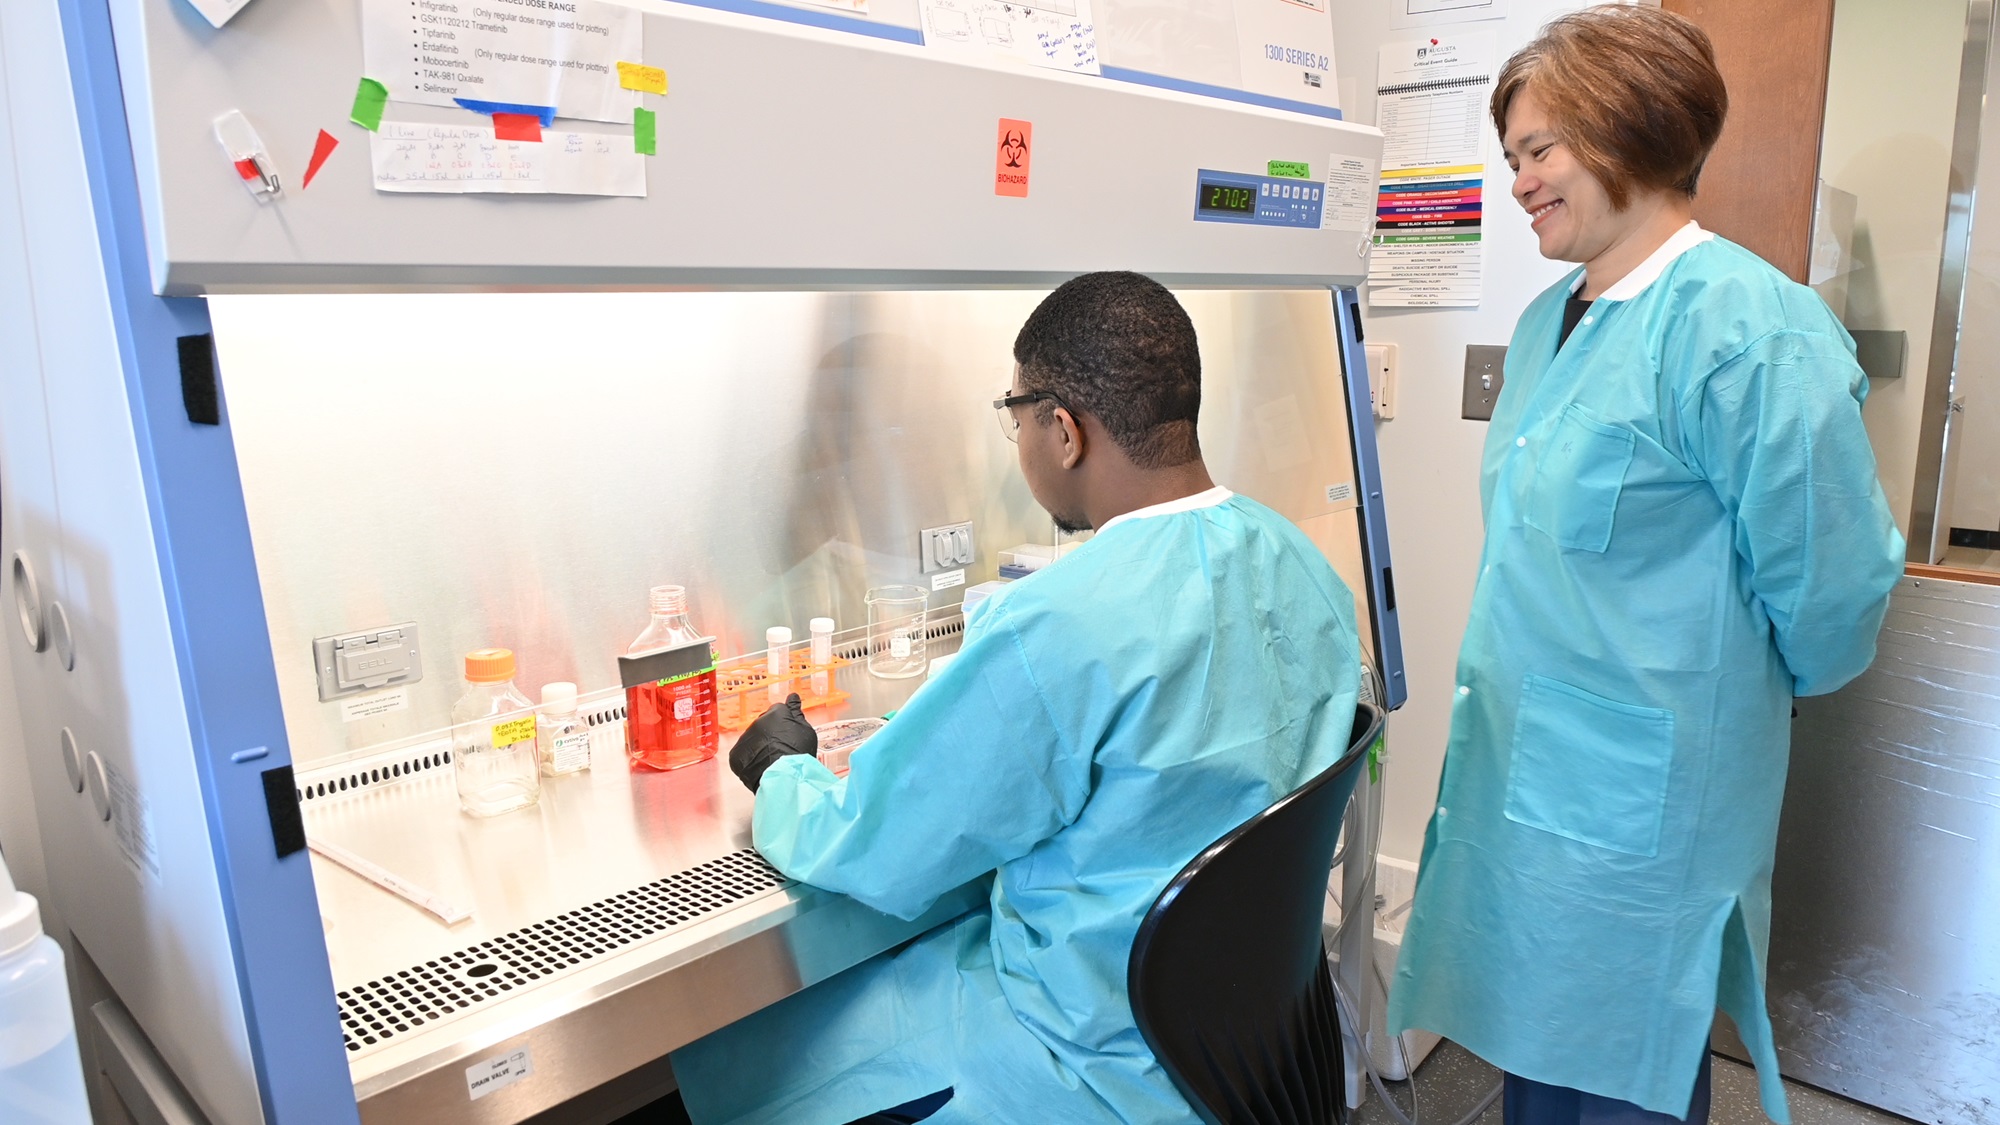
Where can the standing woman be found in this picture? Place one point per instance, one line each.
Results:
(1683, 532)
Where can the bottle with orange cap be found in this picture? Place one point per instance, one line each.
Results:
(493, 738)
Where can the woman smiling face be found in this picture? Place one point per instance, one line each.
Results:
(1575, 217)
(1568, 208)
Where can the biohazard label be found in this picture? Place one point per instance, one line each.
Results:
(1010, 161)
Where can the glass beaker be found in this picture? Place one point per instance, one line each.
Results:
(896, 616)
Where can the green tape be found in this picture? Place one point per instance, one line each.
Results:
(1422, 239)
(370, 99)
(645, 131)
(1375, 761)
(1290, 169)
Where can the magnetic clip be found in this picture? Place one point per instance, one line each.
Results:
(247, 154)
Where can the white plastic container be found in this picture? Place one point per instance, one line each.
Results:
(41, 1074)
(493, 738)
(562, 738)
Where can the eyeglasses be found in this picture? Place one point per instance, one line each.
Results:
(1010, 423)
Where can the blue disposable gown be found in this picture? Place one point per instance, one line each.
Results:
(1683, 531)
(1106, 719)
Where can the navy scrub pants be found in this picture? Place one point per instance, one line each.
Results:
(1533, 1103)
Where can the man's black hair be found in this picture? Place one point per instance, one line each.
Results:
(1119, 347)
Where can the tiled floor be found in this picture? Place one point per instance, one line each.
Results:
(1452, 1081)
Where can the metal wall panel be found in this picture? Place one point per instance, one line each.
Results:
(790, 157)
(1885, 944)
(518, 469)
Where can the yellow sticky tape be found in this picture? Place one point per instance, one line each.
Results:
(643, 78)
(512, 731)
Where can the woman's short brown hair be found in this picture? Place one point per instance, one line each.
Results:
(1632, 91)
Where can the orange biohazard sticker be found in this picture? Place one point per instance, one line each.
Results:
(1010, 161)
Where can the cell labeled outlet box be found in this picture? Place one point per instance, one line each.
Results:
(351, 663)
(945, 548)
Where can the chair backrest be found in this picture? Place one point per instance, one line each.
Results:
(1228, 977)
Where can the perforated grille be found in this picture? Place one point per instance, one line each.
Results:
(407, 766)
(424, 994)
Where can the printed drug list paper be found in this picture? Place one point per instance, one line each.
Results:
(558, 54)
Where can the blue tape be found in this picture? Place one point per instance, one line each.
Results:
(813, 17)
(546, 112)
(1162, 82)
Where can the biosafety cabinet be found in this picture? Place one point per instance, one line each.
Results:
(306, 357)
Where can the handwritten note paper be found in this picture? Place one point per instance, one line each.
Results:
(1058, 34)
(513, 731)
(452, 159)
(645, 79)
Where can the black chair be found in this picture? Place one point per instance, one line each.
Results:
(1228, 976)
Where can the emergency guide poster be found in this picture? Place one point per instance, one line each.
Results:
(1431, 97)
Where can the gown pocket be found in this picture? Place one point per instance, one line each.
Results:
(1578, 476)
(1590, 769)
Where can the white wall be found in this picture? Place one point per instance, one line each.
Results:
(1892, 85)
(1430, 456)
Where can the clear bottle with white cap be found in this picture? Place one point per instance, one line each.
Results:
(41, 1074)
(562, 737)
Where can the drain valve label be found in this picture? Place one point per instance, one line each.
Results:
(483, 1078)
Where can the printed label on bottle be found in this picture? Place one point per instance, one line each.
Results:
(899, 646)
(513, 731)
(570, 752)
(683, 709)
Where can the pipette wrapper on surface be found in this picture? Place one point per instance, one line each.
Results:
(447, 912)
(247, 154)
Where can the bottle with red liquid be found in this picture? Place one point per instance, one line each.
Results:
(670, 698)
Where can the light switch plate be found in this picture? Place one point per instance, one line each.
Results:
(351, 663)
(945, 548)
(1485, 374)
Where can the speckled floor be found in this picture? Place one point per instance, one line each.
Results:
(1453, 1080)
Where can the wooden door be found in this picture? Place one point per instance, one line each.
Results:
(1758, 187)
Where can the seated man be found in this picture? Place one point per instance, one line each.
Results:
(1106, 719)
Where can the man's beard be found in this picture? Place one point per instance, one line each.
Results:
(1070, 525)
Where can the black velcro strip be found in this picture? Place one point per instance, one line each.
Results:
(200, 392)
(288, 824)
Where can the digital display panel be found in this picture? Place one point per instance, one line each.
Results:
(1227, 198)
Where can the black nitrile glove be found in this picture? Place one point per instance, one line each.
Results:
(780, 731)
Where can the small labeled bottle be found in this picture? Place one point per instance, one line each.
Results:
(493, 738)
(41, 1072)
(671, 708)
(562, 738)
